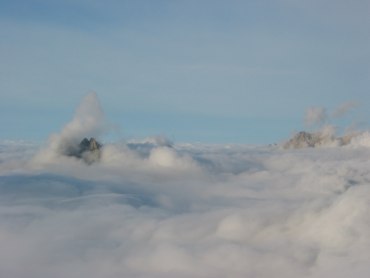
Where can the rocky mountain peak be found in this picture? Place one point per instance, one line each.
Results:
(89, 145)
(87, 150)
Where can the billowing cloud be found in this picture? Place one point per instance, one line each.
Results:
(315, 116)
(88, 121)
(325, 133)
(344, 109)
(151, 208)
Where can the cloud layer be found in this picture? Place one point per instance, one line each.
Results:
(156, 209)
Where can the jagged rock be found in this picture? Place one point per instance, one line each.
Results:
(88, 150)
(305, 139)
(302, 139)
(89, 145)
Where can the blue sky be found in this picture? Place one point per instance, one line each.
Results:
(209, 71)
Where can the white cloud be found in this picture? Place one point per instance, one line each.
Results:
(315, 116)
(154, 209)
(88, 121)
(287, 212)
(344, 108)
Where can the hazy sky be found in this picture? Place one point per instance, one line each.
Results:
(210, 71)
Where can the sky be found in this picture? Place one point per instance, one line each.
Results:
(168, 79)
(194, 71)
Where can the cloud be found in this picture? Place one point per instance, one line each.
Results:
(129, 215)
(325, 133)
(344, 109)
(88, 121)
(315, 116)
(151, 208)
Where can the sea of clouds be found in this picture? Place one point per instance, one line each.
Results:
(152, 208)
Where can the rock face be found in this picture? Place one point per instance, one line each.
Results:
(305, 139)
(88, 150)
(89, 145)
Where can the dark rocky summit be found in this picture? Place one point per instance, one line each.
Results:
(305, 139)
(89, 145)
(88, 150)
